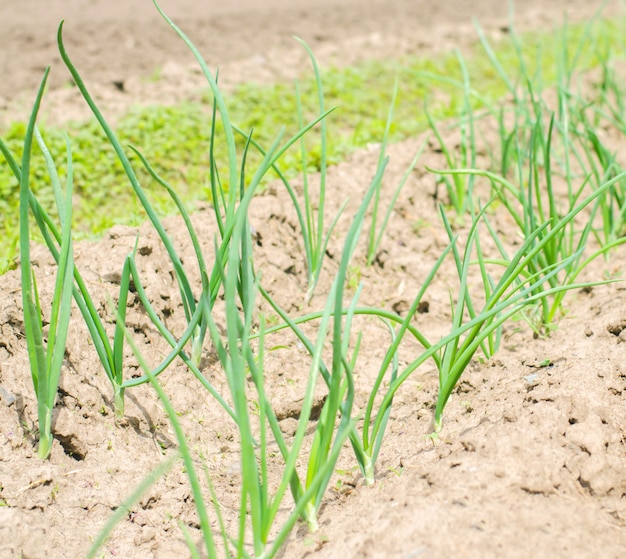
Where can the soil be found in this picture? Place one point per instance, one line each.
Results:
(531, 461)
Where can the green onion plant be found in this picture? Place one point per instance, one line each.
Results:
(472, 330)
(110, 353)
(312, 215)
(376, 231)
(46, 362)
(459, 188)
(310, 210)
(188, 298)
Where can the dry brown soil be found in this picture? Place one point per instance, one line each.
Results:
(532, 458)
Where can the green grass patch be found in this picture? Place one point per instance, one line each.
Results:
(176, 139)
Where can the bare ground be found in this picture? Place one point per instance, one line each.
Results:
(531, 461)
(118, 46)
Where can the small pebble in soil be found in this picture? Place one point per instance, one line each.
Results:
(7, 398)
